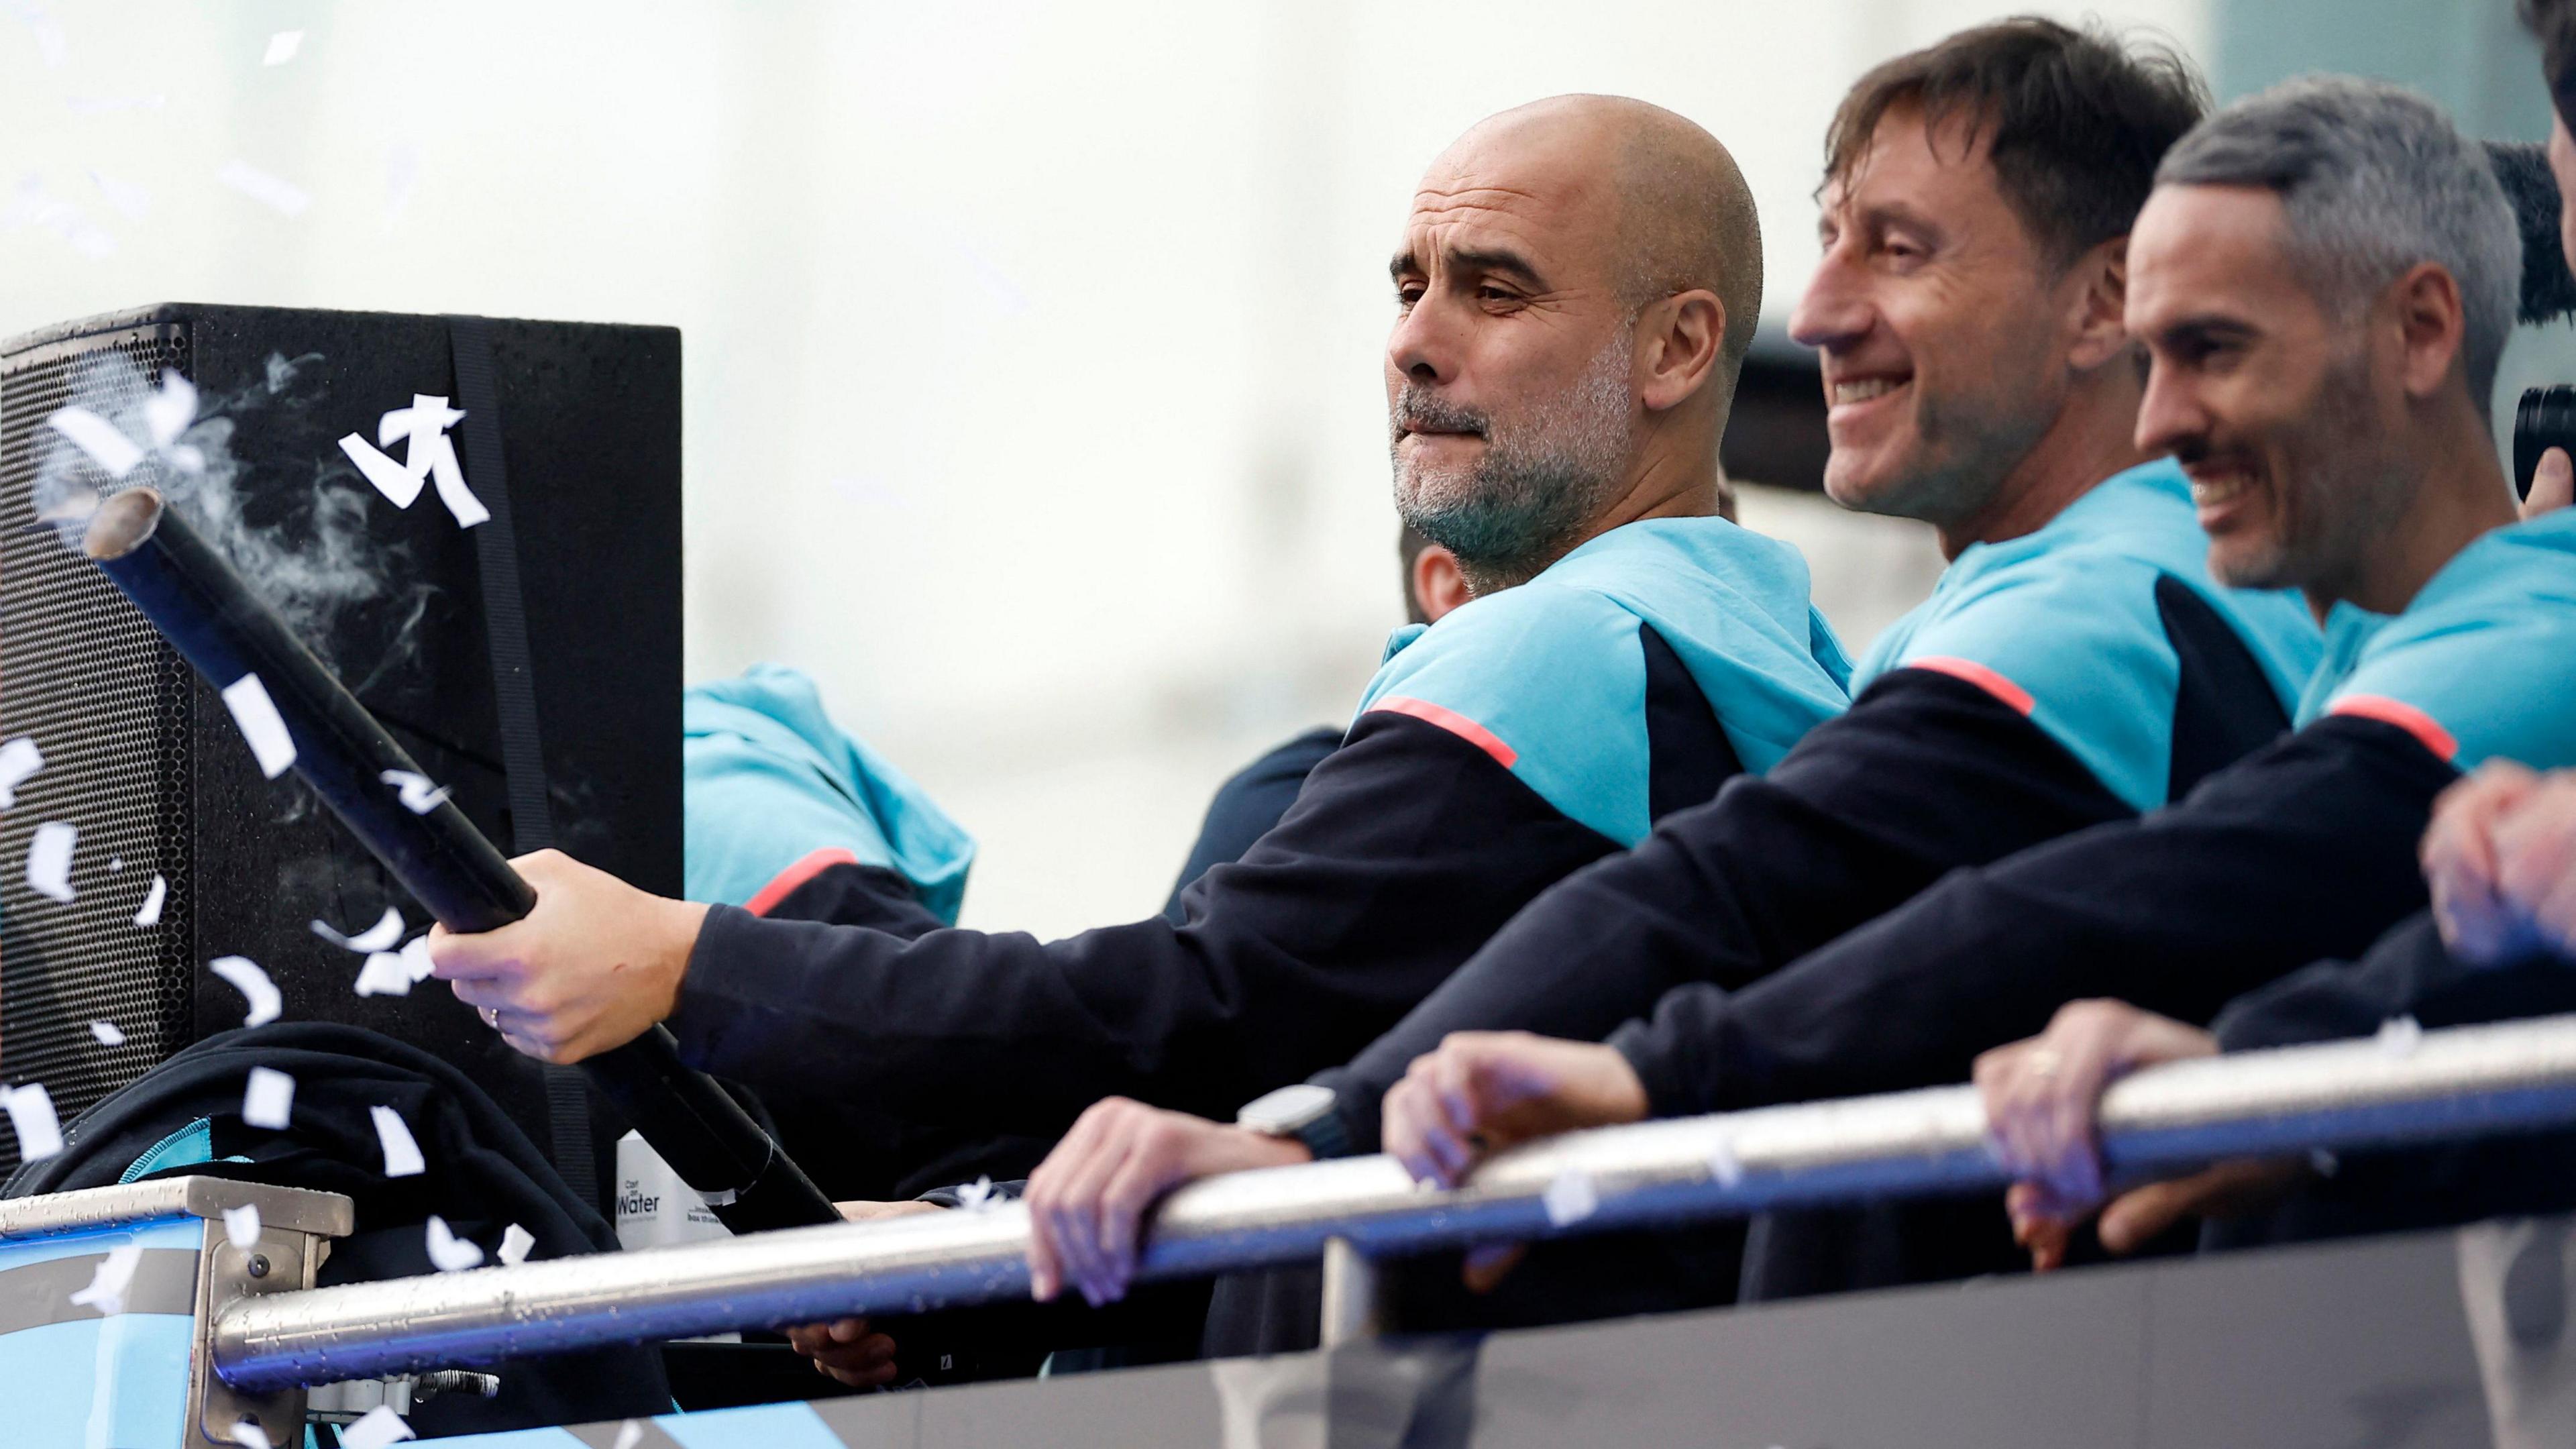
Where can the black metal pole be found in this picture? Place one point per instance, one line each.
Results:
(201, 605)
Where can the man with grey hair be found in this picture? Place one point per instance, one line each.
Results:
(2322, 279)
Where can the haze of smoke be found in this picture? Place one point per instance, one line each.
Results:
(313, 565)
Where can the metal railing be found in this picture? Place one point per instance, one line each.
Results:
(2402, 1088)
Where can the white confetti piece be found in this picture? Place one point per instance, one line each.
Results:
(629, 1434)
(107, 446)
(1723, 1168)
(402, 175)
(19, 759)
(268, 1099)
(256, 715)
(402, 1154)
(449, 1253)
(149, 914)
(109, 1280)
(414, 790)
(47, 34)
(385, 974)
(130, 200)
(107, 1033)
(415, 958)
(2399, 1036)
(167, 413)
(282, 47)
(253, 984)
(1570, 1198)
(516, 1243)
(460, 500)
(49, 860)
(976, 1196)
(241, 1225)
(421, 424)
(381, 936)
(273, 192)
(379, 1427)
(248, 1434)
(31, 1116)
(115, 863)
(391, 478)
(109, 105)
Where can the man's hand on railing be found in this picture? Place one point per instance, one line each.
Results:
(2500, 857)
(1479, 1092)
(1087, 1201)
(844, 1349)
(2042, 1097)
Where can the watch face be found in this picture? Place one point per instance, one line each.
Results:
(1286, 1109)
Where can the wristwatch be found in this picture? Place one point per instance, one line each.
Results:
(1302, 1110)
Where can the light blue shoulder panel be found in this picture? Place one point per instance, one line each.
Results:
(1550, 677)
(2063, 623)
(769, 779)
(73, 1377)
(2486, 654)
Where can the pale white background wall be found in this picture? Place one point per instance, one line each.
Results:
(1033, 379)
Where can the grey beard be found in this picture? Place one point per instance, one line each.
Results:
(1539, 483)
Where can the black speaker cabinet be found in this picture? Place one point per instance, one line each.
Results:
(146, 762)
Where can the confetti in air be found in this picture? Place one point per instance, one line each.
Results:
(449, 1253)
(31, 1116)
(390, 477)
(413, 788)
(282, 196)
(253, 984)
(167, 413)
(128, 199)
(19, 759)
(2399, 1036)
(109, 1280)
(381, 936)
(149, 914)
(428, 452)
(256, 715)
(268, 1099)
(385, 974)
(248, 1434)
(402, 1154)
(415, 956)
(282, 47)
(516, 1243)
(976, 1196)
(380, 1426)
(49, 860)
(241, 1225)
(1570, 1198)
(107, 1033)
(115, 454)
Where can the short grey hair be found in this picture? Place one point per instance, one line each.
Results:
(2375, 180)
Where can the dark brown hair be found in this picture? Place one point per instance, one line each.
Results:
(2075, 120)
(2553, 24)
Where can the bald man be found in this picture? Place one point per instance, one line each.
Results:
(1574, 295)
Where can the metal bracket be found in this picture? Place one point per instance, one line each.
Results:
(280, 1258)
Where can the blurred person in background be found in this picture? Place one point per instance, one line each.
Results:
(1251, 801)
(2323, 279)
(1575, 293)
(2077, 663)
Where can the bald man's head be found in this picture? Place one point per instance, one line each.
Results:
(1578, 284)
(1677, 215)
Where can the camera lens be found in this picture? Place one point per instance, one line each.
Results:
(2545, 419)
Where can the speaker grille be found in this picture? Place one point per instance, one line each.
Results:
(111, 707)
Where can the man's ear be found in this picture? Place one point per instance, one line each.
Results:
(1677, 345)
(2101, 334)
(2430, 327)
(1438, 586)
